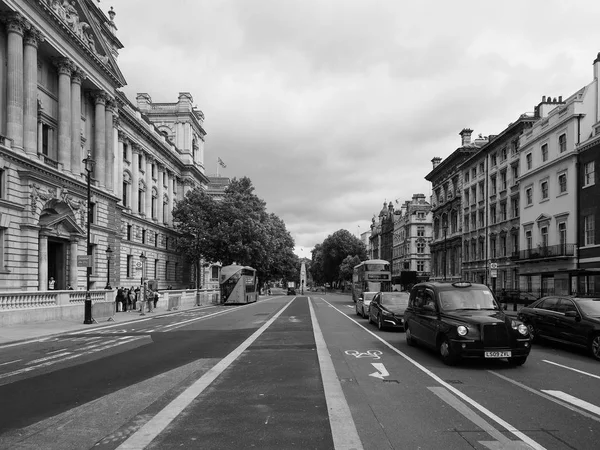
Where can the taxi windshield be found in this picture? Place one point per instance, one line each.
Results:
(467, 299)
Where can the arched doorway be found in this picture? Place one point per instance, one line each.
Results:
(59, 237)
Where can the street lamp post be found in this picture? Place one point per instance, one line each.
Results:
(445, 228)
(143, 282)
(89, 168)
(109, 252)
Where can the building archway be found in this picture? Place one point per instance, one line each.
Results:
(58, 242)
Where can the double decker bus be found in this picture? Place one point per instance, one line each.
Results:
(238, 284)
(372, 275)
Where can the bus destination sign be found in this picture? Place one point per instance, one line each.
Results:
(378, 276)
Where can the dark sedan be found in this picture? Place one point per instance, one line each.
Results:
(387, 309)
(567, 319)
(463, 320)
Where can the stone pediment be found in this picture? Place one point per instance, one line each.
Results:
(82, 23)
(543, 218)
(60, 225)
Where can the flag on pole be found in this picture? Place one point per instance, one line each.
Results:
(221, 163)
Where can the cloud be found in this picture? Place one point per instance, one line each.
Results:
(333, 107)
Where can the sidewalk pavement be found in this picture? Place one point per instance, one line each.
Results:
(21, 333)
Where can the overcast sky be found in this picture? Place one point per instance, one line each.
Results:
(332, 107)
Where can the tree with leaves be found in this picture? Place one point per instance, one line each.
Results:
(234, 229)
(329, 255)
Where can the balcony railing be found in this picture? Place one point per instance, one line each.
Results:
(550, 251)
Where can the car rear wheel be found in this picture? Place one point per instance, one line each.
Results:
(446, 353)
(409, 339)
(517, 360)
(595, 346)
(379, 322)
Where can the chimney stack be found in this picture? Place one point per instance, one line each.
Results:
(436, 161)
(465, 135)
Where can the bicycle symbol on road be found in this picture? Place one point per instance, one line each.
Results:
(375, 354)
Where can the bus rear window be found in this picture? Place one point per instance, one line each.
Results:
(377, 267)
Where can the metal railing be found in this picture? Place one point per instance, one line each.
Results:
(549, 251)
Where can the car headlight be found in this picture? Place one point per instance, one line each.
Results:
(521, 328)
(462, 330)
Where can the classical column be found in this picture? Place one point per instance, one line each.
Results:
(43, 263)
(73, 269)
(40, 139)
(14, 83)
(30, 104)
(76, 153)
(135, 176)
(65, 68)
(110, 150)
(170, 194)
(100, 137)
(149, 161)
(119, 172)
(161, 192)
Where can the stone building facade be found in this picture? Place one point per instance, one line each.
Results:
(60, 104)
(447, 210)
(412, 235)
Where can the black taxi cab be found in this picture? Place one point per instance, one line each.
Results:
(464, 320)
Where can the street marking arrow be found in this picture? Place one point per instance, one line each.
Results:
(381, 371)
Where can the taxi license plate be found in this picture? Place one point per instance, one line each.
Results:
(505, 354)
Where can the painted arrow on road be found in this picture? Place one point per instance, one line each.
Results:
(381, 371)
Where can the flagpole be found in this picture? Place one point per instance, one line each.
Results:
(217, 167)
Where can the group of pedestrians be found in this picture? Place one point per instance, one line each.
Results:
(132, 299)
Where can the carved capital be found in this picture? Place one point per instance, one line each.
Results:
(116, 120)
(64, 66)
(121, 136)
(99, 97)
(78, 75)
(33, 37)
(15, 22)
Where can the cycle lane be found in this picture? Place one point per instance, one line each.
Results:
(397, 402)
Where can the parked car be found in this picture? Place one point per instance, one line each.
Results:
(387, 309)
(291, 291)
(363, 302)
(568, 319)
(463, 320)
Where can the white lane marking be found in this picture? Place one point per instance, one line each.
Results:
(9, 362)
(343, 429)
(451, 388)
(46, 364)
(375, 354)
(47, 358)
(141, 438)
(56, 351)
(381, 371)
(547, 397)
(574, 401)
(571, 368)
(469, 414)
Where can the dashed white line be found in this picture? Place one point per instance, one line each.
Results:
(571, 368)
(48, 358)
(9, 362)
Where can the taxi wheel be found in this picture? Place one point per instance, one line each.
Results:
(448, 357)
(380, 322)
(409, 339)
(595, 346)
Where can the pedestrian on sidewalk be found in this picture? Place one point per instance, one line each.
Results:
(156, 297)
(120, 301)
(149, 297)
(138, 299)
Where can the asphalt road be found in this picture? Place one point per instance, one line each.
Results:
(286, 372)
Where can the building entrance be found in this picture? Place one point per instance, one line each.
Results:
(57, 263)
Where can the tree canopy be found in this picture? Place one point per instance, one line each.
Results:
(235, 228)
(328, 256)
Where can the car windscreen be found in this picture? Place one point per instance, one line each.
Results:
(395, 300)
(466, 299)
(368, 296)
(590, 307)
